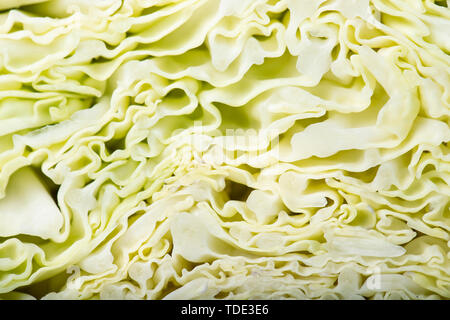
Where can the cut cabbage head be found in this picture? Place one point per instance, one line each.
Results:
(221, 149)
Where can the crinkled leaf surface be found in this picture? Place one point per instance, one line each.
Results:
(200, 149)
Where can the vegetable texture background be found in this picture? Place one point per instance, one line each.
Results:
(233, 149)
